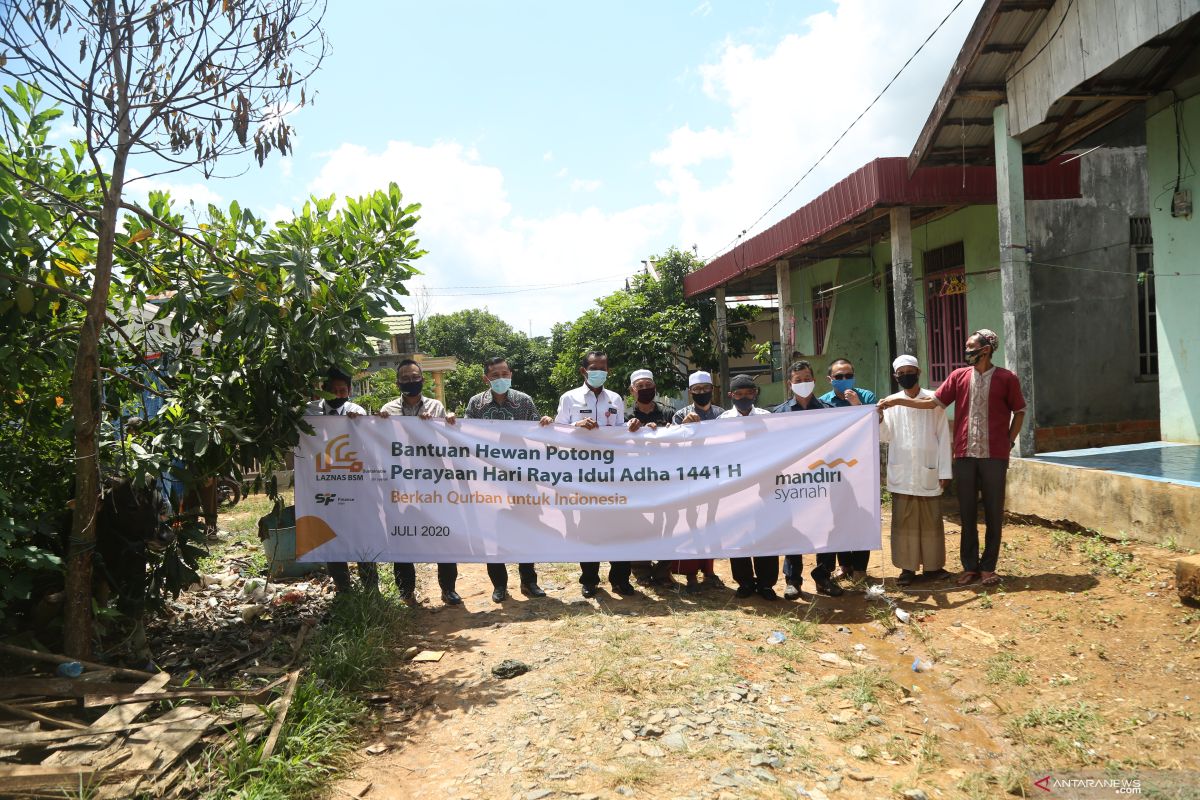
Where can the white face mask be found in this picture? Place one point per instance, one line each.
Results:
(803, 389)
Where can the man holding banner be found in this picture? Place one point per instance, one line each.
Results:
(501, 401)
(757, 574)
(591, 406)
(411, 403)
(803, 383)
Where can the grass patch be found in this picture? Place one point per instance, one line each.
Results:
(631, 773)
(1105, 559)
(1068, 729)
(350, 653)
(859, 687)
(928, 754)
(1003, 668)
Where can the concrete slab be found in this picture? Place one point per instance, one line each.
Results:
(1149, 509)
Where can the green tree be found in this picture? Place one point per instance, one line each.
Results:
(382, 389)
(246, 317)
(475, 335)
(178, 84)
(650, 325)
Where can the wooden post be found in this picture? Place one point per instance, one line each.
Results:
(722, 340)
(787, 314)
(903, 296)
(1014, 269)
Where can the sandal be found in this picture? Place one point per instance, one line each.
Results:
(967, 578)
(906, 578)
(935, 575)
(991, 579)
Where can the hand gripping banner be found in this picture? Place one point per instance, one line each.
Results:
(407, 489)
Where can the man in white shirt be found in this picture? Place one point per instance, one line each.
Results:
(410, 378)
(337, 383)
(589, 407)
(918, 471)
(757, 574)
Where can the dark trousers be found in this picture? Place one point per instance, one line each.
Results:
(618, 572)
(759, 572)
(368, 573)
(499, 574)
(972, 477)
(854, 560)
(406, 576)
(793, 568)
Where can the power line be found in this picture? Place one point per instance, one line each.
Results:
(842, 135)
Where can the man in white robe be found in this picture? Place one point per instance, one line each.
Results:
(918, 470)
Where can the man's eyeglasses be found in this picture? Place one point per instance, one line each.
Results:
(842, 376)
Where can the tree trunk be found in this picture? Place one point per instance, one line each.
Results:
(85, 410)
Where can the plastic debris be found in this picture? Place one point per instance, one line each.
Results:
(875, 592)
(69, 669)
(922, 665)
(902, 615)
(776, 637)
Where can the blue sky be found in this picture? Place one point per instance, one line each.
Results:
(557, 144)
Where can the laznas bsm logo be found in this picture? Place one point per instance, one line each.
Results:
(812, 483)
(339, 462)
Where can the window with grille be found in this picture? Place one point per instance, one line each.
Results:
(822, 307)
(1141, 246)
(945, 309)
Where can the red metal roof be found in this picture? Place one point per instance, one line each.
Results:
(882, 183)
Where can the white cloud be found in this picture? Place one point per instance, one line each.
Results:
(702, 10)
(778, 108)
(786, 104)
(581, 185)
(474, 238)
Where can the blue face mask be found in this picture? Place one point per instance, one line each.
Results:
(842, 384)
(500, 385)
(596, 377)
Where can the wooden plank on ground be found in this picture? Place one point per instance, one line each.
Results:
(59, 687)
(157, 750)
(284, 704)
(25, 713)
(51, 658)
(25, 738)
(38, 776)
(92, 700)
(113, 718)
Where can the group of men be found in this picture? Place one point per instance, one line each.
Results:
(923, 457)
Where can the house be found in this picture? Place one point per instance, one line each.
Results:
(401, 344)
(1047, 197)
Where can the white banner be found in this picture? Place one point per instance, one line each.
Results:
(406, 489)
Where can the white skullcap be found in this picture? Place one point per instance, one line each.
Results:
(905, 361)
(639, 374)
(699, 377)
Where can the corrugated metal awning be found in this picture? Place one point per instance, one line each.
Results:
(883, 183)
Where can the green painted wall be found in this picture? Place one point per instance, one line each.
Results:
(1176, 250)
(858, 322)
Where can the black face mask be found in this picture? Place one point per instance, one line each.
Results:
(908, 381)
(337, 402)
(412, 388)
(743, 404)
(646, 395)
(702, 399)
(972, 356)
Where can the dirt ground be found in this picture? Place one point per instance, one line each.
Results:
(1083, 660)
